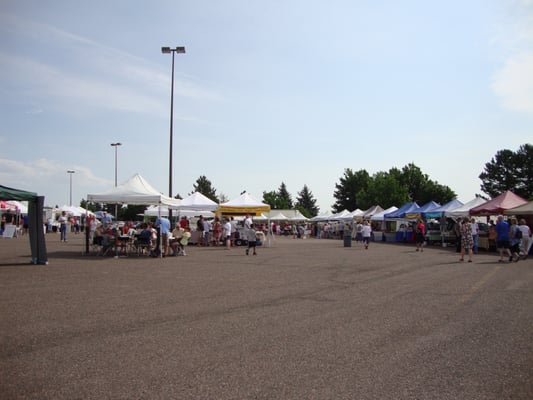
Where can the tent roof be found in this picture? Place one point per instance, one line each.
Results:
(407, 208)
(500, 203)
(380, 216)
(136, 190)
(278, 217)
(421, 211)
(372, 211)
(524, 209)
(463, 210)
(197, 201)
(7, 193)
(323, 216)
(439, 211)
(245, 203)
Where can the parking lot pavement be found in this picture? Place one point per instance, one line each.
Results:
(304, 319)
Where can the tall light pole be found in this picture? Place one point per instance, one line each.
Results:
(70, 172)
(115, 145)
(167, 50)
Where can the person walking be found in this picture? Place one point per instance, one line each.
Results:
(252, 239)
(502, 238)
(63, 226)
(467, 241)
(366, 232)
(515, 238)
(227, 233)
(420, 234)
(526, 238)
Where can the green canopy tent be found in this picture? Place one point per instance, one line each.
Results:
(35, 220)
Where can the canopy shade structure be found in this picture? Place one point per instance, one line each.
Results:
(524, 209)
(381, 215)
(277, 216)
(499, 204)
(323, 216)
(464, 210)
(244, 204)
(196, 201)
(439, 211)
(372, 211)
(35, 220)
(407, 208)
(420, 212)
(134, 191)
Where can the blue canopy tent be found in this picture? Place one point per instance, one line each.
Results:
(420, 212)
(439, 211)
(402, 211)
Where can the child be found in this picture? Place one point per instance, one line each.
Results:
(250, 235)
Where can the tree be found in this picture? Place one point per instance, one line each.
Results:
(203, 185)
(509, 170)
(273, 200)
(305, 203)
(346, 191)
(285, 197)
(384, 189)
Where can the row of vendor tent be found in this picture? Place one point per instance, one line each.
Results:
(346, 215)
(138, 191)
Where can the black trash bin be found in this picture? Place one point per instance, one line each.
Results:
(348, 240)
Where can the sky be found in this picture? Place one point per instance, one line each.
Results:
(291, 91)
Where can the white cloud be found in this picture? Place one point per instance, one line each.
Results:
(514, 83)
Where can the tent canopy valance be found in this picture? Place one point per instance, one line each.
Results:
(135, 190)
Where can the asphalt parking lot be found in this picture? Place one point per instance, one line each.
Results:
(304, 319)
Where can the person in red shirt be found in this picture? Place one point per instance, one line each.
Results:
(420, 233)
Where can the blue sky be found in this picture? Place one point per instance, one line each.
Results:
(269, 91)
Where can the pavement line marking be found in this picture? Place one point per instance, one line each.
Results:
(467, 296)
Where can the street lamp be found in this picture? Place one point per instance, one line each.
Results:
(167, 50)
(70, 172)
(115, 145)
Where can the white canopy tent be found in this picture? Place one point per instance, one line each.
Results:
(135, 190)
(463, 211)
(323, 216)
(381, 216)
(196, 201)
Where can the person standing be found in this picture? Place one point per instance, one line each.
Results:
(106, 219)
(217, 231)
(475, 234)
(467, 241)
(502, 237)
(247, 221)
(526, 238)
(252, 239)
(163, 224)
(366, 232)
(457, 229)
(515, 238)
(420, 233)
(63, 226)
(200, 230)
(207, 231)
(227, 233)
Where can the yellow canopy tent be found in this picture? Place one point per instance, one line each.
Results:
(244, 204)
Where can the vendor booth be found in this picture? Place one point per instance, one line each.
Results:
(35, 221)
